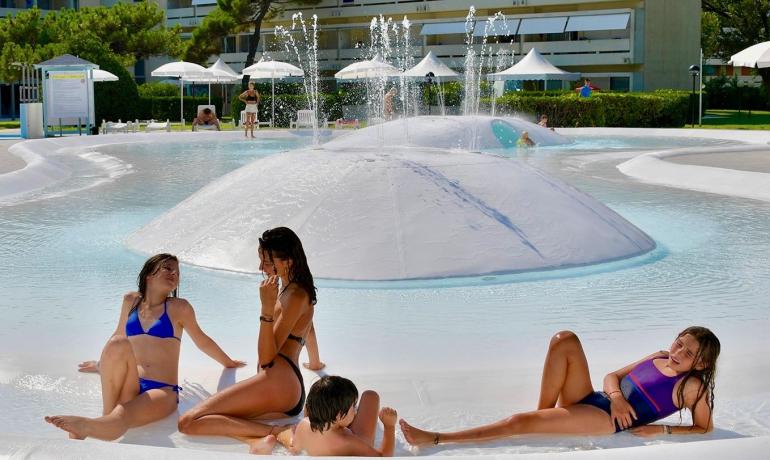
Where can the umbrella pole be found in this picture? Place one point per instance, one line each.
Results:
(209, 93)
(181, 101)
(272, 98)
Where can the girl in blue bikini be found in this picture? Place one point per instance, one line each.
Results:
(139, 365)
(635, 396)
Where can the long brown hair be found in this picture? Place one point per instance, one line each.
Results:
(151, 267)
(282, 243)
(708, 352)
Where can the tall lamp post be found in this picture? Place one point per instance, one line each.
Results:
(694, 71)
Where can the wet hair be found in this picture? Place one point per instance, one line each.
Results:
(329, 399)
(708, 352)
(251, 83)
(151, 267)
(282, 243)
(207, 111)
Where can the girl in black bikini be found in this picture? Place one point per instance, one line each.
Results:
(286, 319)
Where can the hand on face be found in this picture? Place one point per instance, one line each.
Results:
(268, 294)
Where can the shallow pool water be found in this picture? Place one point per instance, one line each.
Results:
(64, 269)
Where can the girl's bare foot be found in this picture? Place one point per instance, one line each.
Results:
(75, 426)
(314, 366)
(416, 436)
(262, 446)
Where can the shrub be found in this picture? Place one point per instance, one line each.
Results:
(115, 100)
(157, 88)
(727, 93)
(655, 109)
(167, 107)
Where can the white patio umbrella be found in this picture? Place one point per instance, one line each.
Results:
(756, 56)
(103, 75)
(370, 68)
(218, 72)
(265, 69)
(183, 71)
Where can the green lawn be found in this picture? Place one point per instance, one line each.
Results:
(731, 119)
(9, 124)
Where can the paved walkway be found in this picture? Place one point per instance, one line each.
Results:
(9, 162)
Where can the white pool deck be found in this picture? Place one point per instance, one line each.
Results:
(22, 168)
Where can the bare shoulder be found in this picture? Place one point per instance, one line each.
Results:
(179, 305)
(297, 293)
(130, 298)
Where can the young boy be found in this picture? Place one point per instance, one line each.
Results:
(333, 426)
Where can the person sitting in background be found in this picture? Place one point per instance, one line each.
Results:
(544, 121)
(206, 117)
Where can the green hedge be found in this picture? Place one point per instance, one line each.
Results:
(655, 109)
(167, 107)
(727, 93)
(286, 107)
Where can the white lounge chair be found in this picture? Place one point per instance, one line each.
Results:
(158, 126)
(205, 127)
(305, 119)
(109, 127)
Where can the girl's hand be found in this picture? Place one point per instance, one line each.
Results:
(89, 366)
(317, 366)
(388, 416)
(268, 295)
(235, 363)
(621, 412)
(647, 431)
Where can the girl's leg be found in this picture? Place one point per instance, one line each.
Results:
(577, 420)
(146, 408)
(365, 422)
(566, 379)
(232, 411)
(117, 370)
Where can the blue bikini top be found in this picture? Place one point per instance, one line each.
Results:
(162, 328)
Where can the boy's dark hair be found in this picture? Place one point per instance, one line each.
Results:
(207, 111)
(329, 398)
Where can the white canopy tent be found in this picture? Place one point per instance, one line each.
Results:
(534, 66)
(430, 64)
(183, 71)
(265, 69)
(218, 72)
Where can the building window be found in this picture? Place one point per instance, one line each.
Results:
(229, 45)
(620, 83)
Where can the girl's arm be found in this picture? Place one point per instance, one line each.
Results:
(242, 96)
(702, 421)
(129, 300)
(273, 331)
(186, 316)
(311, 344)
(621, 411)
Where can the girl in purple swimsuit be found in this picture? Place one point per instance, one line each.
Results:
(139, 365)
(634, 396)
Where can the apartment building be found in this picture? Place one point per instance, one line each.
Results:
(619, 44)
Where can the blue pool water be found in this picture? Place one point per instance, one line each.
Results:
(64, 269)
